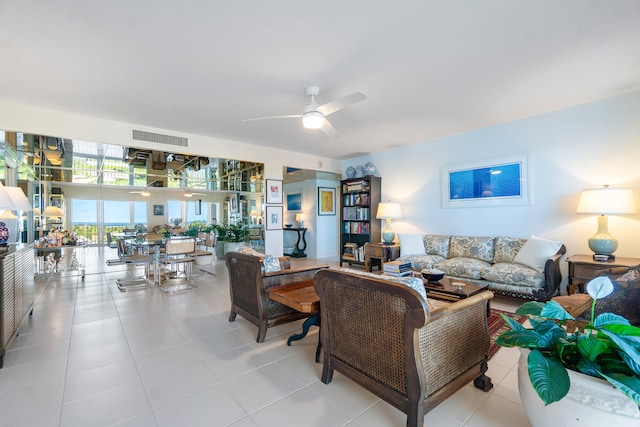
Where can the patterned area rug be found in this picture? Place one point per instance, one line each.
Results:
(497, 327)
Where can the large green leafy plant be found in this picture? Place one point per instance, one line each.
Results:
(608, 347)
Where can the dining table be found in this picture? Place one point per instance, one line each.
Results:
(147, 247)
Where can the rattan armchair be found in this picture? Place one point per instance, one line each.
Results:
(383, 336)
(248, 283)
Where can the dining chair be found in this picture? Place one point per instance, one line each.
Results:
(178, 259)
(134, 260)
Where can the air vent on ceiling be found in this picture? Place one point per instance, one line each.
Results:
(140, 135)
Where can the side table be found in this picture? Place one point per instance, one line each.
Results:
(380, 252)
(298, 252)
(583, 268)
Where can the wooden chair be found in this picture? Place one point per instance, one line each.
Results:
(248, 283)
(383, 336)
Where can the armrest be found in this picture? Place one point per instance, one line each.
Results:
(552, 275)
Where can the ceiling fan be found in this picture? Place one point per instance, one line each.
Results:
(189, 193)
(143, 193)
(314, 116)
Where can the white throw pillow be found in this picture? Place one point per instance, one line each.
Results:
(411, 244)
(536, 251)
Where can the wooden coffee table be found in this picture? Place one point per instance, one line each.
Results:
(300, 296)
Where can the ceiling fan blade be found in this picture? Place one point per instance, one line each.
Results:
(328, 129)
(340, 103)
(293, 116)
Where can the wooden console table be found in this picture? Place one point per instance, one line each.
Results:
(298, 252)
(381, 253)
(583, 268)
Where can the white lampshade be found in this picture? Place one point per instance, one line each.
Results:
(299, 217)
(607, 201)
(5, 199)
(53, 211)
(19, 199)
(389, 210)
(312, 120)
(8, 215)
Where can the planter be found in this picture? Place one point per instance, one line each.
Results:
(233, 246)
(590, 402)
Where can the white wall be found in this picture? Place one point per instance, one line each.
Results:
(21, 118)
(569, 150)
(322, 231)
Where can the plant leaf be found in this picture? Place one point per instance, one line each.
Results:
(530, 308)
(521, 338)
(609, 319)
(589, 368)
(625, 329)
(553, 310)
(591, 347)
(625, 346)
(630, 386)
(511, 322)
(635, 367)
(548, 377)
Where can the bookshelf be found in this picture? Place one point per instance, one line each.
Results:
(359, 198)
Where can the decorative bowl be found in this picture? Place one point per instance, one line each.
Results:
(288, 225)
(432, 275)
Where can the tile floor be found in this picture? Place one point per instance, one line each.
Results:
(93, 356)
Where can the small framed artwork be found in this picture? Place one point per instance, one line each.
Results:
(274, 217)
(158, 210)
(501, 181)
(294, 202)
(198, 207)
(274, 191)
(326, 201)
(233, 202)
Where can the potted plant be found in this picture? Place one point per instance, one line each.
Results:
(230, 237)
(605, 352)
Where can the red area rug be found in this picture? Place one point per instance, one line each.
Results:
(497, 327)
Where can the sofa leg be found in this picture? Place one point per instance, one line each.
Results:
(483, 382)
(327, 372)
(262, 332)
(415, 415)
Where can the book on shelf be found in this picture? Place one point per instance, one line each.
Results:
(398, 265)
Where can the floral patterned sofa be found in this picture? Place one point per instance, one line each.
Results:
(511, 266)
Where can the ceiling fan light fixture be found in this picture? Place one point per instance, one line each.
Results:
(312, 120)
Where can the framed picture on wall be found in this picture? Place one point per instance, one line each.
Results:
(158, 210)
(294, 202)
(274, 191)
(501, 181)
(198, 207)
(274, 217)
(326, 201)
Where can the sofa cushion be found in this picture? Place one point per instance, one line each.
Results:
(536, 251)
(436, 245)
(506, 248)
(271, 264)
(463, 267)
(411, 244)
(513, 274)
(471, 247)
(413, 282)
(420, 262)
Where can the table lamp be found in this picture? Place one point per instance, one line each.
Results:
(20, 203)
(6, 204)
(300, 220)
(605, 201)
(388, 211)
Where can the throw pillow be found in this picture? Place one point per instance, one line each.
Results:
(271, 264)
(436, 245)
(411, 244)
(536, 251)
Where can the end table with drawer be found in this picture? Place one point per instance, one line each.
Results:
(379, 253)
(583, 268)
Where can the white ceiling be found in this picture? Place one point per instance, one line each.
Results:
(430, 68)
